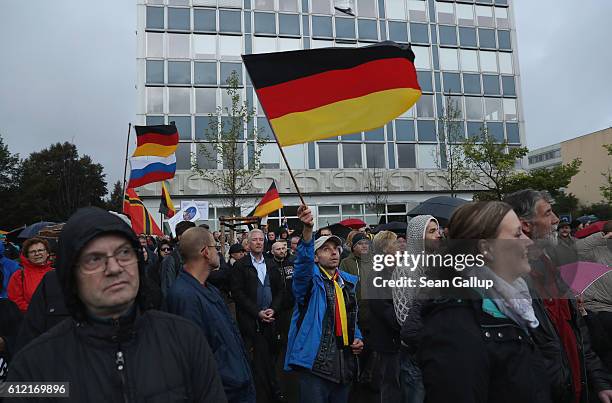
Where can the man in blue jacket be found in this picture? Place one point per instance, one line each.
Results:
(194, 298)
(324, 337)
(8, 267)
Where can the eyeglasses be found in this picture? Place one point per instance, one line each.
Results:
(166, 249)
(97, 262)
(37, 252)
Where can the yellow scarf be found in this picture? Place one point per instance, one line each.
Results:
(340, 309)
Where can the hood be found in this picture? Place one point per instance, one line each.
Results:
(415, 232)
(2, 248)
(83, 226)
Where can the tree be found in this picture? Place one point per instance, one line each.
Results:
(224, 145)
(606, 190)
(377, 182)
(551, 179)
(55, 182)
(490, 164)
(115, 201)
(10, 168)
(452, 158)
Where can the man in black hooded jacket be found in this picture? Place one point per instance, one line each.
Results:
(111, 349)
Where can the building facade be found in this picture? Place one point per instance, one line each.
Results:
(465, 53)
(545, 157)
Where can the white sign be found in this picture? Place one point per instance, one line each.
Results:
(188, 212)
(202, 207)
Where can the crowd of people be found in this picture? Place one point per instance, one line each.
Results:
(291, 316)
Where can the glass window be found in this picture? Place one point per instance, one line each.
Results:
(264, 4)
(264, 131)
(396, 9)
(427, 130)
(446, 13)
(488, 61)
(183, 126)
(474, 129)
(206, 99)
(366, 8)
(368, 29)
(239, 156)
(448, 59)
(204, 20)
(406, 156)
(155, 71)
(471, 83)
(404, 130)
(204, 46)
(375, 155)
(296, 156)
(424, 78)
(155, 100)
(178, 46)
(512, 130)
(321, 6)
(155, 44)
(452, 82)
(270, 157)
(508, 86)
(505, 63)
(493, 109)
(491, 84)
(178, 19)
(155, 18)
(428, 156)
(155, 120)
(345, 28)
(285, 44)
(230, 45)
(226, 100)
(456, 132)
(467, 36)
(484, 14)
(448, 35)
(206, 159)
(203, 130)
(264, 45)
(504, 40)
(179, 72)
(487, 38)
(351, 154)
(473, 108)
(496, 130)
(230, 21)
(509, 109)
(465, 14)
(398, 31)
(288, 5)
(416, 10)
(375, 135)
(454, 105)
(288, 24)
(183, 156)
(227, 69)
(419, 33)
(469, 60)
(232, 125)
(421, 57)
(322, 26)
(179, 100)
(328, 155)
(425, 106)
(265, 23)
(205, 73)
(501, 15)
(178, 2)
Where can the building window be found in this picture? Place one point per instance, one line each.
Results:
(467, 37)
(183, 156)
(465, 14)
(155, 120)
(375, 154)
(406, 156)
(416, 10)
(469, 60)
(491, 84)
(448, 59)
(427, 130)
(419, 33)
(345, 28)
(288, 5)
(508, 86)
(204, 46)
(328, 155)
(155, 44)
(230, 21)
(155, 100)
(424, 78)
(288, 24)
(226, 71)
(366, 8)
(488, 61)
(206, 156)
(446, 13)
(230, 45)
(493, 109)
(178, 19)
(509, 109)
(473, 108)
(206, 99)
(471, 84)
(487, 38)
(265, 23)
(404, 130)
(267, 5)
(504, 40)
(155, 18)
(396, 9)
(484, 15)
(183, 126)
(425, 106)
(501, 15)
(205, 73)
(321, 6)
(264, 131)
(398, 31)
(351, 155)
(496, 131)
(448, 35)
(512, 130)
(270, 157)
(322, 26)
(421, 57)
(179, 72)
(203, 130)
(452, 83)
(428, 156)
(368, 29)
(475, 129)
(505, 63)
(178, 46)
(155, 71)
(204, 20)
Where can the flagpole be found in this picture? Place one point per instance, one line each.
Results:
(127, 147)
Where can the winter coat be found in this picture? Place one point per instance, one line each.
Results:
(8, 267)
(471, 352)
(170, 268)
(23, 284)
(204, 306)
(595, 248)
(305, 333)
(384, 335)
(244, 291)
(10, 318)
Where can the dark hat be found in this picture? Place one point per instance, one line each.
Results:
(183, 226)
(359, 237)
(235, 248)
(563, 223)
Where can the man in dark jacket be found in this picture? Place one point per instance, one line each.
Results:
(172, 264)
(562, 335)
(257, 289)
(110, 349)
(194, 298)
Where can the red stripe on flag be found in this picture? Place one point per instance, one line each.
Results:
(270, 195)
(150, 178)
(155, 138)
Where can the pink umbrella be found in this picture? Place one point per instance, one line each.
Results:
(354, 223)
(580, 275)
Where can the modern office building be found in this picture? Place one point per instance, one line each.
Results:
(464, 49)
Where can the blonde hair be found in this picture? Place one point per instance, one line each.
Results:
(382, 240)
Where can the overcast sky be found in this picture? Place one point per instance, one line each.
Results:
(68, 71)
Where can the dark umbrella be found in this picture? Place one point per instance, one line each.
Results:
(33, 230)
(441, 207)
(586, 218)
(338, 230)
(395, 226)
(12, 235)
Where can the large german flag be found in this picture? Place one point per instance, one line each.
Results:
(269, 203)
(314, 94)
(142, 222)
(157, 141)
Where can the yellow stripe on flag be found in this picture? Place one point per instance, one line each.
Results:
(267, 208)
(154, 150)
(358, 114)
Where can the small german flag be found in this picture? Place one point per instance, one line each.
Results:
(166, 206)
(315, 94)
(269, 203)
(142, 222)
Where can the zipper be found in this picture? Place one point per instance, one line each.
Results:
(120, 362)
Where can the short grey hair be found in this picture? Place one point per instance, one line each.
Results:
(254, 231)
(523, 202)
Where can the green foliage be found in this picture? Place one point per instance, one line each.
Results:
(115, 201)
(10, 168)
(550, 179)
(606, 189)
(566, 204)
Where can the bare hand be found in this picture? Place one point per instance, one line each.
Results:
(357, 346)
(305, 216)
(605, 396)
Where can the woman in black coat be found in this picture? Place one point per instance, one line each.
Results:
(476, 344)
(10, 319)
